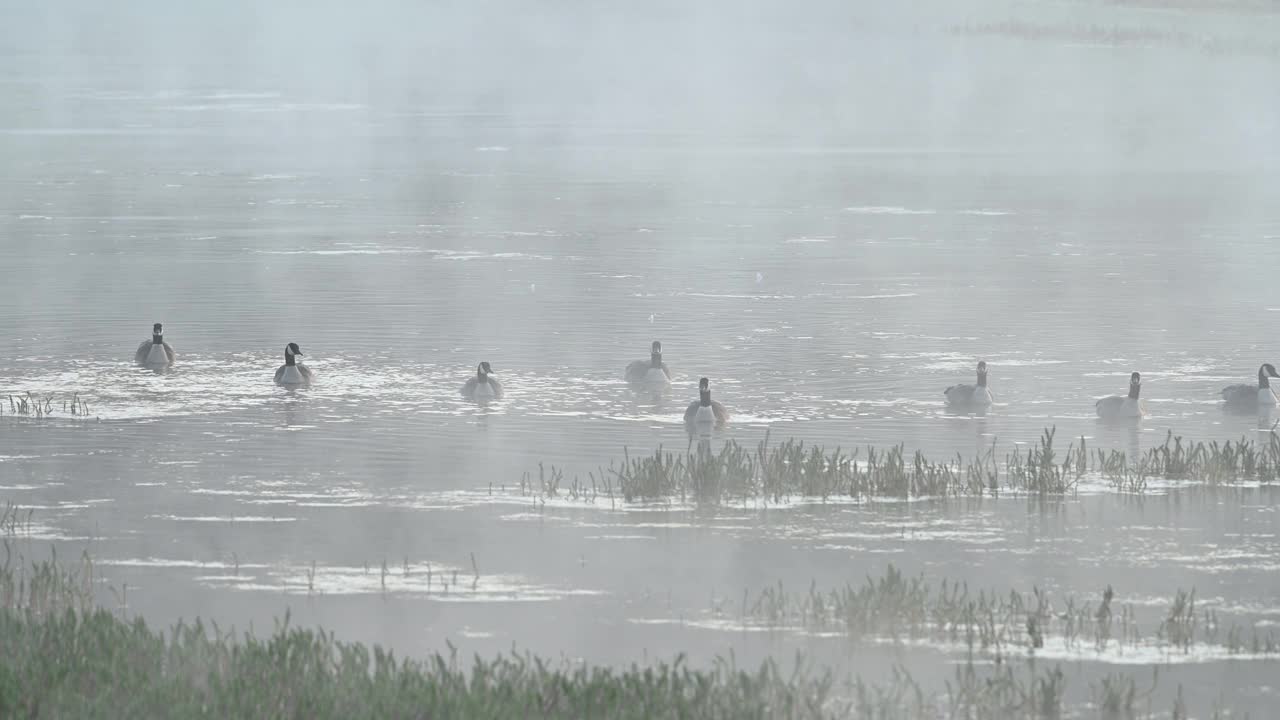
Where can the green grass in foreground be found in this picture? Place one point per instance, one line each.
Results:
(60, 657)
(94, 664)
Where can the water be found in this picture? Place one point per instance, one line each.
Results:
(830, 288)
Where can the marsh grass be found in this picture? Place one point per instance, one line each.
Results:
(1179, 626)
(1116, 695)
(777, 473)
(15, 523)
(94, 664)
(29, 405)
(1213, 463)
(991, 625)
(1004, 693)
(1038, 471)
(63, 657)
(44, 588)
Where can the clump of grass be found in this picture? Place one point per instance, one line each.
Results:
(648, 477)
(94, 664)
(698, 475)
(1116, 695)
(44, 588)
(1178, 628)
(991, 625)
(14, 523)
(42, 406)
(1214, 463)
(1039, 472)
(1002, 693)
(790, 469)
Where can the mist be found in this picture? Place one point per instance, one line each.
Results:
(832, 211)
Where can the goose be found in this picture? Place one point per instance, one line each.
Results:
(482, 386)
(155, 352)
(650, 372)
(971, 396)
(1251, 397)
(1117, 406)
(704, 410)
(292, 372)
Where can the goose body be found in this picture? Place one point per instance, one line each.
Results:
(652, 372)
(704, 411)
(971, 396)
(1252, 397)
(483, 386)
(155, 352)
(656, 376)
(1118, 407)
(293, 373)
(1248, 396)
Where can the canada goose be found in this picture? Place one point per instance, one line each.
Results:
(650, 372)
(970, 396)
(704, 410)
(1118, 406)
(293, 372)
(155, 352)
(1252, 397)
(483, 386)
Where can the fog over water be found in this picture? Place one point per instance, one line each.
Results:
(833, 212)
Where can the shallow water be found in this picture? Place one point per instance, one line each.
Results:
(830, 289)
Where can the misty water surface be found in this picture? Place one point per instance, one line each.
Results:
(833, 215)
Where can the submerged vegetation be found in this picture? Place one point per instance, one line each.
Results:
(792, 469)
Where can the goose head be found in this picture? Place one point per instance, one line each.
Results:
(655, 354)
(1266, 371)
(483, 370)
(1135, 385)
(290, 351)
(157, 333)
(704, 392)
(982, 373)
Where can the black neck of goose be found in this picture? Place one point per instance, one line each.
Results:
(655, 360)
(1263, 380)
(288, 359)
(157, 339)
(481, 375)
(982, 379)
(704, 398)
(1134, 388)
